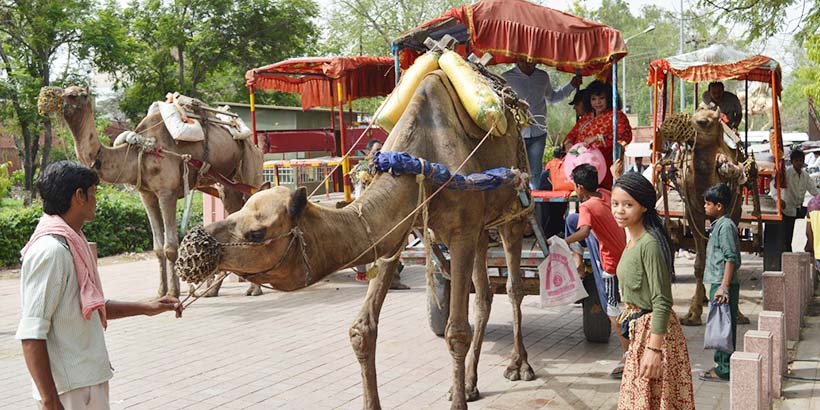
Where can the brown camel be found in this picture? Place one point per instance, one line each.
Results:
(697, 170)
(263, 241)
(159, 176)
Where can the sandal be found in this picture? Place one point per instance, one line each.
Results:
(711, 376)
(617, 372)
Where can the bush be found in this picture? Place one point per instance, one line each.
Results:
(5, 180)
(121, 225)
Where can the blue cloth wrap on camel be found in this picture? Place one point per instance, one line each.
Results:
(401, 163)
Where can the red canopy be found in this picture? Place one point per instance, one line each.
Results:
(716, 63)
(510, 29)
(313, 78)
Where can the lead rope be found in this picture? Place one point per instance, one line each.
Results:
(429, 269)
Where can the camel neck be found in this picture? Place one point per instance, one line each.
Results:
(336, 237)
(111, 164)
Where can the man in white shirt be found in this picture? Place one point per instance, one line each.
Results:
(798, 182)
(63, 346)
(533, 86)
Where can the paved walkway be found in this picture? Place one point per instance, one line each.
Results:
(291, 350)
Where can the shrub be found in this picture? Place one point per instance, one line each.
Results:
(5, 180)
(121, 225)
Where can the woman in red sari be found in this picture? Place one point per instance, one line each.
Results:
(595, 128)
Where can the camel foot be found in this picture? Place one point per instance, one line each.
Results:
(471, 393)
(742, 319)
(253, 290)
(521, 371)
(173, 293)
(212, 293)
(691, 320)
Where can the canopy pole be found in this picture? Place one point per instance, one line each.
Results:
(332, 110)
(672, 96)
(616, 148)
(746, 114)
(342, 148)
(396, 67)
(253, 115)
(779, 171)
(655, 142)
(695, 97)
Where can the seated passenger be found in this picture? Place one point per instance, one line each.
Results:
(594, 129)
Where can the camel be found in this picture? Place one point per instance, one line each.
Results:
(696, 169)
(760, 104)
(158, 176)
(253, 242)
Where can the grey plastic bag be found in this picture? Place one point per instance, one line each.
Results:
(719, 328)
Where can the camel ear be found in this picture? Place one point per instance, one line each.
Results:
(264, 186)
(717, 110)
(298, 202)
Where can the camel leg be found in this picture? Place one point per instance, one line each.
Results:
(151, 204)
(457, 334)
(512, 237)
(168, 206)
(483, 303)
(365, 329)
(693, 317)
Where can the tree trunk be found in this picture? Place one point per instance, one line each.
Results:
(181, 69)
(47, 130)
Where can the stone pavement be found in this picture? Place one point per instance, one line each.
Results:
(291, 350)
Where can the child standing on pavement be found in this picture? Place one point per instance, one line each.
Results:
(722, 263)
(657, 374)
(595, 225)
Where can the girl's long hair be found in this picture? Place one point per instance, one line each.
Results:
(642, 190)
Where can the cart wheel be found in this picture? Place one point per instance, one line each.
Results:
(596, 323)
(438, 317)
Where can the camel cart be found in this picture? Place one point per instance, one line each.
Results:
(760, 210)
(322, 82)
(503, 31)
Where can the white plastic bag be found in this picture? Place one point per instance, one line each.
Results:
(560, 284)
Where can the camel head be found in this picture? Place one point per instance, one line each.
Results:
(260, 242)
(73, 101)
(707, 126)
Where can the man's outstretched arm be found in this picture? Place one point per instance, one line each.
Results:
(116, 310)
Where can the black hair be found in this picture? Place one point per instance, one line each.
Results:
(586, 176)
(719, 194)
(642, 191)
(797, 153)
(371, 143)
(58, 182)
(598, 87)
(716, 84)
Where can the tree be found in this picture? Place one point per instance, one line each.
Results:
(32, 36)
(368, 27)
(766, 18)
(193, 46)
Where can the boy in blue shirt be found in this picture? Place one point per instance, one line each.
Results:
(722, 263)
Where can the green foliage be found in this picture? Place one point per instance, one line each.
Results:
(121, 225)
(5, 180)
(199, 48)
(766, 18)
(17, 226)
(17, 177)
(368, 27)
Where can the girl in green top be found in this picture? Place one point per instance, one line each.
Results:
(657, 373)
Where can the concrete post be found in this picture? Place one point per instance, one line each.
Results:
(745, 385)
(774, 323)
(756, 341)
(793, 302)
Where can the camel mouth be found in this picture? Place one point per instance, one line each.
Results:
(199, 256)
(50, 100)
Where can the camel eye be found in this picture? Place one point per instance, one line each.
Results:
(256, 236)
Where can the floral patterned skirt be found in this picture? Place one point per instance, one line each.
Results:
(673, 390)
